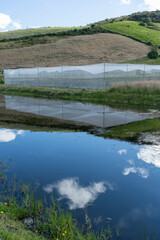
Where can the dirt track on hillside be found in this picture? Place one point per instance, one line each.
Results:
(76, 50)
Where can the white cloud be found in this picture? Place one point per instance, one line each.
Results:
(7, 135)
(152, 4)
(77, 195)
(141, 171)
(38, 26)
(6, 23)
(16, 25)
(126, 2)
(5, 20)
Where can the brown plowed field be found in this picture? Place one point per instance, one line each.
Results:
(76, 50)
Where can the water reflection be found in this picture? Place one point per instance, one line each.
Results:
(143, 172)
(150, 153)
(97, 115)
(57, 158)
(148, 211)
(122, 151)
(7, 135)
(77, 195)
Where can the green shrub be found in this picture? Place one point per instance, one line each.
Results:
(153, 54)
(143, 24)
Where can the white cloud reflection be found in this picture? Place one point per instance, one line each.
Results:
(150, 154)
(122, 151)
(77, 195)
(137, 214)
(7, 135)
(130, 161)
(143, 172)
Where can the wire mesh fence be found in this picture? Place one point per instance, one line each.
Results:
(97, 76)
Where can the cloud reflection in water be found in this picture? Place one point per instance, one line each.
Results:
(150, 154)
(143, 172)
(77, 195)
(7, 135)
(122, 151)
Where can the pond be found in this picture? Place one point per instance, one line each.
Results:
(112, 179)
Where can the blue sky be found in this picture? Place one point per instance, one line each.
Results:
(19, 14)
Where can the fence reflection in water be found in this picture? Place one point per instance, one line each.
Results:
(96, 115)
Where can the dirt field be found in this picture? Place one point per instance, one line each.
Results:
(76, 50)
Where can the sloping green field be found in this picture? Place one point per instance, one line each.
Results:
(134, 30)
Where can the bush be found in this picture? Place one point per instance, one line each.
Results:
(153, 54)
(143, 24)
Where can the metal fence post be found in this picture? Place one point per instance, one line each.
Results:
(104, 76)
(127, 73)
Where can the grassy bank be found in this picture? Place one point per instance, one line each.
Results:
(14, 230)
(140, 95)
(132, 131)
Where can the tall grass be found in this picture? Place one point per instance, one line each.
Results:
(142, 85)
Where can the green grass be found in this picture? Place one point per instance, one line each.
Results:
(133, 130)
(145, 60)
(34, 31)
(11, 229)
(134, 30)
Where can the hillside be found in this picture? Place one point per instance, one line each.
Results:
(75, 50)
(119, 39)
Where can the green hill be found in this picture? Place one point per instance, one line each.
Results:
(143, 27)
(81, 44)
(134, 30)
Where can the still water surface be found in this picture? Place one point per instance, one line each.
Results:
(120, 179)
(86, 113)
